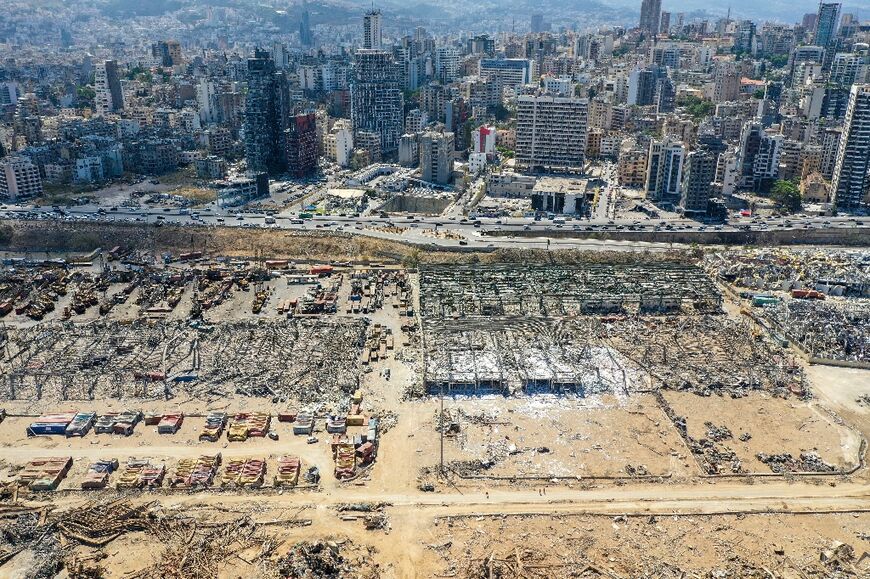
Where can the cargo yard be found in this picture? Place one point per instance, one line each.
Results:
(289, 417)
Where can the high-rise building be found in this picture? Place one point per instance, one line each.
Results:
(745, 37)
(27, 121)
(306, 38)
(446, 64)
(726, 82)
(339, 142)
(107, 88)
(9, 92)
(699, 175)
(551, 131)
(826, 24)
(830, 148)
(537, 23)
(664, 170)
(301, 145)
(481, 44)
(372, 33)
(207, 101)
(759, 156)
(506, 72)
(433, 101)
(376, 97)
(19, 179)
(848, 69)
(167, 52)
(650, 15)
(483, 139)
(666, 95)
(280, 56)
(266, 112)
(415, 121)
(665, 23)
(850, 182)
(641, 87)
(436, 151)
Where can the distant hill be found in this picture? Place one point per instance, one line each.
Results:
(788, 11)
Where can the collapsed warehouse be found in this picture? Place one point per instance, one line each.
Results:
(618, 355)
(563, 290)
(589, 329)
(307, 360)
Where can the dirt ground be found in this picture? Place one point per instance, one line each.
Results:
(657, 546)
(774, 425)
(547, 437)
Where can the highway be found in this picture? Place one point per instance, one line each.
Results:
(425, 229)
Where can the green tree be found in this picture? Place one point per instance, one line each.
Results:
(697, 107)
(778, 60)
(786, 196)
(85, 96)
(501, 112)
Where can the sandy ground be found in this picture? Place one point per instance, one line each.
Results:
(774, 424)
(548, 436)
(636, 546)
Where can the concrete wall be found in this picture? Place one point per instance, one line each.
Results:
(853, 236)
(416, 204)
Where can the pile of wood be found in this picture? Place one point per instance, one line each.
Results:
(98, 523)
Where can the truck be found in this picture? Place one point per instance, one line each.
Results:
(305, 215)
(269, 220)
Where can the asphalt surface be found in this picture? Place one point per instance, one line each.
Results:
(419, 229)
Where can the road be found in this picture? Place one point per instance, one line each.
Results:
(470, 233)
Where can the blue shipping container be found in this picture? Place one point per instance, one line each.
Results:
(42, 428)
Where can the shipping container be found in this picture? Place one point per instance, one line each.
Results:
(336, 425)
(170, 423)
(81, 424)
(46, 428)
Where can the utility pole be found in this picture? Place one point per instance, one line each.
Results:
(441, 429)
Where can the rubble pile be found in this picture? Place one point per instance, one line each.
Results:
(785, 462)
(327, 559)
(24, 533)
(558, 290)
(836, 330)
(717, 433)
(774, 269)
(711, 456)
(664, 547)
